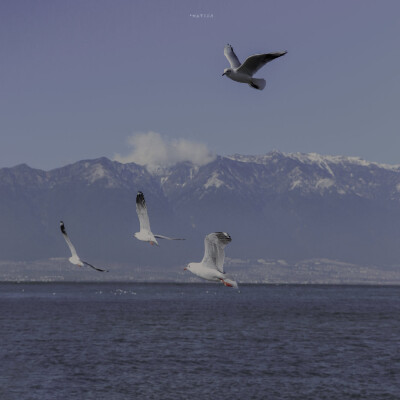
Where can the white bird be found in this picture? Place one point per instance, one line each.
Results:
(244, 72)
(74, 259)
(212, 265)
(145, 234)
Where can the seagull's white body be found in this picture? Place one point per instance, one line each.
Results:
(211, 267)
(145, 234)
(244, 72)
(237, 76)
(74, 259)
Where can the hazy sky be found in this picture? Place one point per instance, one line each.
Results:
(78, 78)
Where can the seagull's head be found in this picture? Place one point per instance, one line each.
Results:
(227, 71)
(187, 268)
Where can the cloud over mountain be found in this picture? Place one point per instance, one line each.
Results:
(154, 150)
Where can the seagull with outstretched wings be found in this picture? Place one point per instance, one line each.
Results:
(244, 72)
(211, 267)
(74, 259)
(145, 234)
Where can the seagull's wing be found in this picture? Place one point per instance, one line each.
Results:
(254, 63)
(166, 237)
(69, 243)
(141, 210)
(231, 56)
(91, 266)
(214, 254)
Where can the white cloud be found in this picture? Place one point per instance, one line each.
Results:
(153, 150)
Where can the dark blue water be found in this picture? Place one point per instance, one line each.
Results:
(154, 341)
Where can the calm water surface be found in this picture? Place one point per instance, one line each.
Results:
(166, 341)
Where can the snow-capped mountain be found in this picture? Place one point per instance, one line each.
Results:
(343, 175)
(275, 206)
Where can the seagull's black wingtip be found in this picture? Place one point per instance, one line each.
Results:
(140, 199)
(62, 227)
(224, 236)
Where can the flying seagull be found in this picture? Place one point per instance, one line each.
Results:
(74, 259)
(244, 72)
(212, 265)
(145, 234)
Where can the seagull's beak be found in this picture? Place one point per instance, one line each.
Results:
(223, 73)
(185, 269)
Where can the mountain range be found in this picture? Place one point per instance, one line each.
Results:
(277, 207)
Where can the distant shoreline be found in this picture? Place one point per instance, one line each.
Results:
(92, 282)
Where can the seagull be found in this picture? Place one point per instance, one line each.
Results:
(145, 234)
(212, 265)
(74, 259)
(244, 72)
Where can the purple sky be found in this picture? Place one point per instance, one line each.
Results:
(78, 77)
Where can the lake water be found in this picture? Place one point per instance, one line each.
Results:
(198, 341)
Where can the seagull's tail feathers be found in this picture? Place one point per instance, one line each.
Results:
(257, 83)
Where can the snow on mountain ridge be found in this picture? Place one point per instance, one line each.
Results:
(314, 173)
(214, 181)
(273, 172)
(311, 158)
